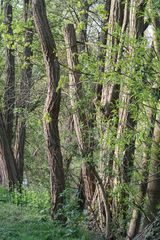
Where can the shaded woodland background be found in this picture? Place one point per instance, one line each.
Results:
(80, 108)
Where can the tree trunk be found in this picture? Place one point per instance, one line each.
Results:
(8, 170)
(9, 175)
(52, 105)
(83, 19)
(136, 29)
(24, 95)
(102, 50)
(142, 155)
(110, 91)
(9, 95)
(152, 189)
(80, 126)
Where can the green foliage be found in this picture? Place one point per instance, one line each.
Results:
(136, 71)
(47, 117)
(25, 216)
(70, 210)
(37, 200)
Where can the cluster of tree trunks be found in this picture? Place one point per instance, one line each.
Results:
(127, 18)
(13, 141)
(132, 23)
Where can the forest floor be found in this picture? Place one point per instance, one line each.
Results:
(18, 222)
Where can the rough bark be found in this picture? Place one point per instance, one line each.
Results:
(8, 170)
(9, 95)
(136, 27)
(152, 189)
(102, 50)
(9, 175)
(142, 157)
(84, 20)
(124, 155)
(75, 85)
(103, 204)
(24, 95)
(87, 184)
(110, 91)
(52, 105)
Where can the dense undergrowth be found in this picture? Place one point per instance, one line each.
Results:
(25, 216)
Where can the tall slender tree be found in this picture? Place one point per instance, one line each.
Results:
(24, 94)
(9, 94)
(52, 105)
(153, 191)
(79, 118)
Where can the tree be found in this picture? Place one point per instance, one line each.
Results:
(17, 159)
(87, 183)
(24, 95)
(52, 105)
(9, 176)
(8, 169)
(9, 94)
(153, 192)
(101, 111)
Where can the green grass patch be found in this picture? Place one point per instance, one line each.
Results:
(22, 218)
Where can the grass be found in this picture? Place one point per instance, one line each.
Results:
(28, 222)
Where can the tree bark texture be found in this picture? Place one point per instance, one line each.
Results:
(52, 105)
(24, 94)
(110, 91)
(83, 19)
(153, 191)
(136, 29)
(102, 50)
(8, 170)
(151, 187)
(80, 125)
(124, 155)
(75, 85)
(141, 162)
(9, 95)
